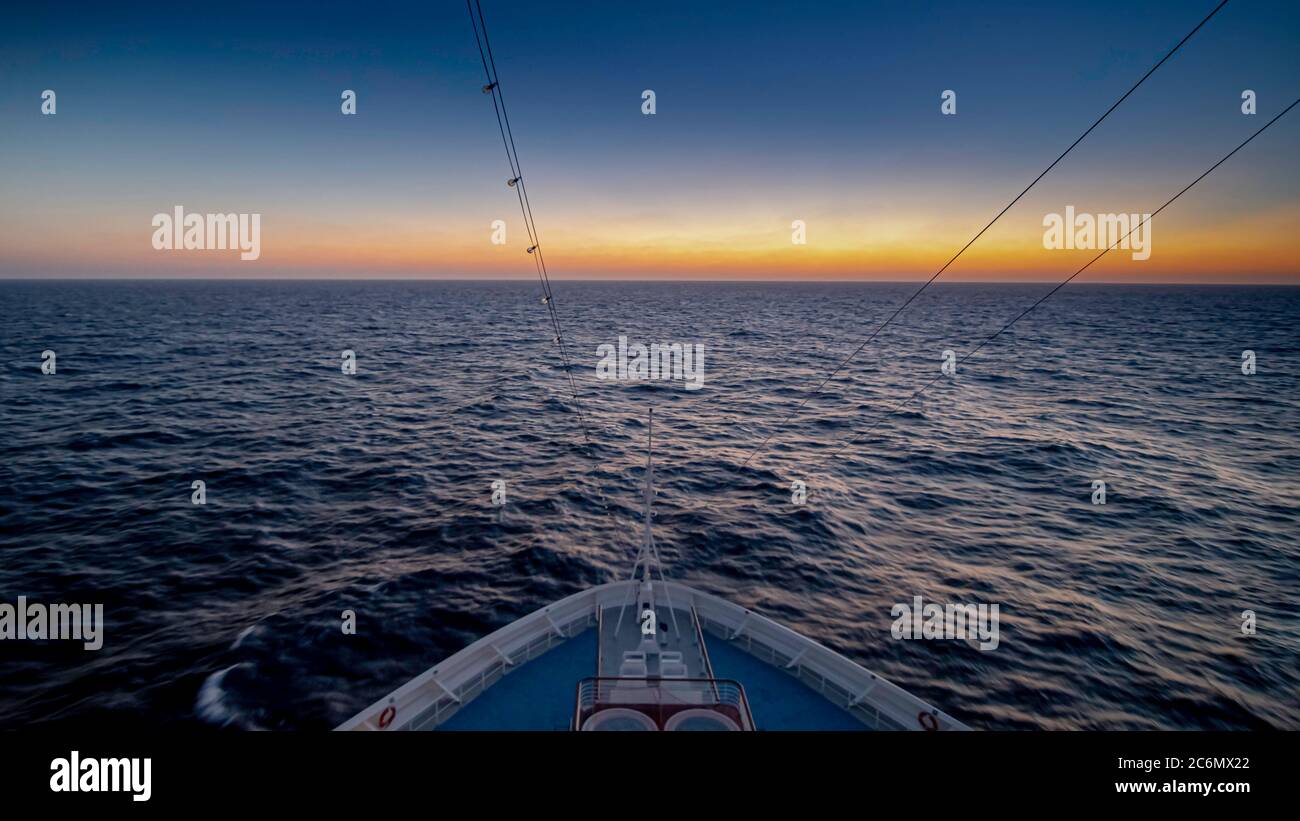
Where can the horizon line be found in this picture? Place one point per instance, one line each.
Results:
(699, 281)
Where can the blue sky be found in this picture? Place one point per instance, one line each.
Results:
(766, 112)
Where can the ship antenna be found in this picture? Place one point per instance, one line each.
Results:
(647, 556)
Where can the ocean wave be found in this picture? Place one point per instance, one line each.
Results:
(326, 492)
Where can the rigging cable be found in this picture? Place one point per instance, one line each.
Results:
(938, 273)
(1061, 285)
(519, 185)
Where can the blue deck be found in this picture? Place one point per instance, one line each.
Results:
(540, 695)
(778, 700)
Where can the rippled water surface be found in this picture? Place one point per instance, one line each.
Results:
(328, 492)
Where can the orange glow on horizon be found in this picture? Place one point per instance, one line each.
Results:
(1261, 247)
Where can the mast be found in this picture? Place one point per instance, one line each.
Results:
(647, 555)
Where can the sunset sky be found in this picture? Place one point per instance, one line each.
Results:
(766, 113)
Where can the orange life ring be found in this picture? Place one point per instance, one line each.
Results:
(387, 716)
(927, 721)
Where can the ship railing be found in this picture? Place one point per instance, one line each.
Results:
(864, 694)
(436, 695)
(431, 698)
